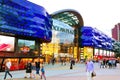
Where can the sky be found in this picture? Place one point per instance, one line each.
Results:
(100, 14)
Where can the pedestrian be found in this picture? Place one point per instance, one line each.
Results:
(53, 61)
(7, 69)
(43, 73)
(28, 69)
(61, 61)
(37, 65)
(72, 62)
(33, 69)
(89, 69)
(101, 63)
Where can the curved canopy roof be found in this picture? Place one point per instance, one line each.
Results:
(70, 17)
(25, 19)
(95, 38)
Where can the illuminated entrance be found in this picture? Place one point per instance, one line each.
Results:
(61, 45)
(74, 20)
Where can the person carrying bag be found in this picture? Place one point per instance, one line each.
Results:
(90, 69)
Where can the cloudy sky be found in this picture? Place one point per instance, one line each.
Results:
(100, 14)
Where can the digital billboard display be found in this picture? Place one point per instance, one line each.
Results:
(25, 45)
(7, 43)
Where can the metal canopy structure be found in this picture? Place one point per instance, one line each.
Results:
(70, 17)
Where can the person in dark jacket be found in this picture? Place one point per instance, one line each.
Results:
(37, 65)
(28, 69)
(72, 62)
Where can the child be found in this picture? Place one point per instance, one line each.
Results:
(43, 73)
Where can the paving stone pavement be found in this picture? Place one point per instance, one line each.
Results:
(59, 72)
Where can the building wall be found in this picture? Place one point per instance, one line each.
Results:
(116, 32)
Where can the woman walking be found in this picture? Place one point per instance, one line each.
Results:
(43, 73)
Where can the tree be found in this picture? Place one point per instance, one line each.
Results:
(116, 48)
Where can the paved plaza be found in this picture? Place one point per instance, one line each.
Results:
(61, 72)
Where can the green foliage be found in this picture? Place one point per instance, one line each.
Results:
(116, 48)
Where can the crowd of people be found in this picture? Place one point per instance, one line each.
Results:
(33, 69)
(108, 63)
(36, 69)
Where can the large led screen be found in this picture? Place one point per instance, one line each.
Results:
(7, 43)
(25, 45)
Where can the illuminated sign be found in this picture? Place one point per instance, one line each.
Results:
(7, 43)
(24, 18)
(63, 29)
(25, 45)
(60, 26)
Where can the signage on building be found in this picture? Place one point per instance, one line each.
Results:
(63, 29)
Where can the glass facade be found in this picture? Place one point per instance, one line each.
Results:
(62, 41)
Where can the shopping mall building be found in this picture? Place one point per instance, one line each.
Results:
(28, 32)
(24, 26)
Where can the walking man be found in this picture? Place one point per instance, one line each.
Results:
(7, 69)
